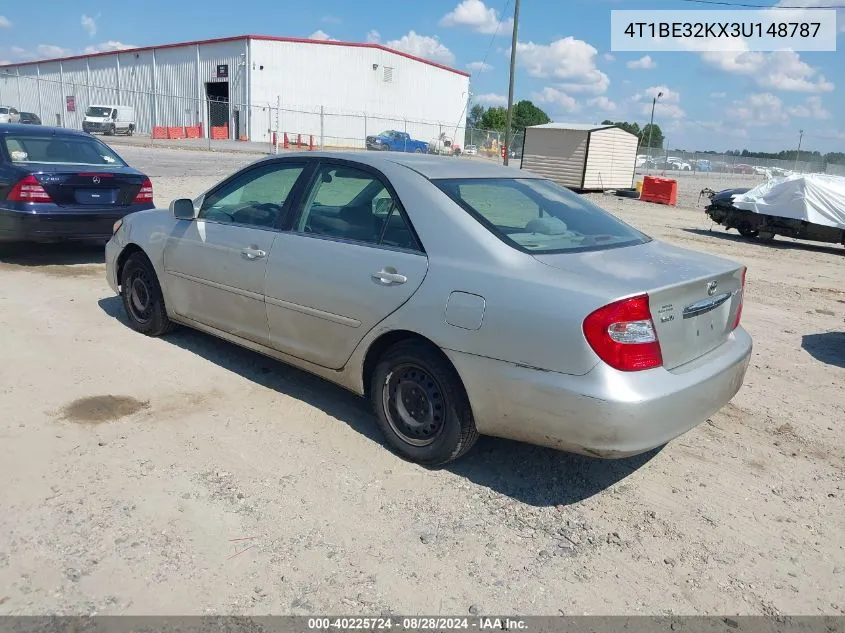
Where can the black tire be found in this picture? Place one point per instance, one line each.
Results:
(766, 237)
(439, 427)
(418, 151)
(112, 130)
(746, 230)
(130, 130)
(142, 298)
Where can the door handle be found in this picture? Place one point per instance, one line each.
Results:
(253, 253)
(388, 278)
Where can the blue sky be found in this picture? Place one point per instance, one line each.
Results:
(716, 101)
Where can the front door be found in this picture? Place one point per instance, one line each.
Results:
(215, 265)
(350, 260)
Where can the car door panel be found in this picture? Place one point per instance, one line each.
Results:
(322, 298)
(215, 265)
(349, 260)
(213, 278)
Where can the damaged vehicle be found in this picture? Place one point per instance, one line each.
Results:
(805, 207)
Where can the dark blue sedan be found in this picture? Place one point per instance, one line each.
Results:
(58, 184)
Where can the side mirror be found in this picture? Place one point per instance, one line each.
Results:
(182, 209)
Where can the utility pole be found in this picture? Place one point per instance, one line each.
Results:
(800, 138)
(510, 86)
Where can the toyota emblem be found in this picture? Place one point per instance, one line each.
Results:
(96, 180)
(711, 287)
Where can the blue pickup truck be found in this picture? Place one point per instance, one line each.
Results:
(393, 141)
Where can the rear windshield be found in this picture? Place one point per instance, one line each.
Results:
(539, 216)
(59, 150)
(96, 111)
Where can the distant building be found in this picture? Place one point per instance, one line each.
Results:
(341, 91)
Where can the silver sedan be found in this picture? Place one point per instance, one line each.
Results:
(460, 297)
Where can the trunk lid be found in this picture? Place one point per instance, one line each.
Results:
(693, 297)
(84, 186)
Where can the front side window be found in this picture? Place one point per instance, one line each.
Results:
(60, 150)
(352, 204)
(4, 110)
(256, 198)
(539, 216)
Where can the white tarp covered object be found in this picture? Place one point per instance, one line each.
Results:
(816, 198)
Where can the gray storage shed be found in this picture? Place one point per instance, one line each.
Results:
(582, 157)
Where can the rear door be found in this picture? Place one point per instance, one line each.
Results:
(215, 265)
(349, 260)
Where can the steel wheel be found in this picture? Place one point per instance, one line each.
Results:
(139, 296)
(413, 404)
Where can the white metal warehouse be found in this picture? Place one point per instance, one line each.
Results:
(340, 92)
(581, 156)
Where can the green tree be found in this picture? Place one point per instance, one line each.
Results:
(656, 136)
(633, 128)
(526, 114)
(495, 118)
(476, 113)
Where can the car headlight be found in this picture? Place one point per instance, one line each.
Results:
(116, 227)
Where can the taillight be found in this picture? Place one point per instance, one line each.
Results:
(741, 301)
(146, 192)
(622, 334)
(28, 190)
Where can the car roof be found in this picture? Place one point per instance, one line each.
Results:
(430, 166)
(40, 130)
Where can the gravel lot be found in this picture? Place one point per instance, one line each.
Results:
(185, 475)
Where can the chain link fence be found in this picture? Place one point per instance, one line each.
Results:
(650, 160)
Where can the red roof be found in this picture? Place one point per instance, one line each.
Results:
(269, 38)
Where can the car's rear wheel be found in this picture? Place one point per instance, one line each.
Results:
(746, 230)
(421, 405)
(142, 298)
(766, 236)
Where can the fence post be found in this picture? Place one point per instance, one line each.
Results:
(322, 127)
(365, 130)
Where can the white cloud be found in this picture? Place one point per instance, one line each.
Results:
(107, 47)
(479, 67)
(4, 62)
(667, 106)
(840, 12)
(423, 46)
(602, 103)
(491, 99)
(49, 50)
(555, 96)
(89, 24)
(569, 60)
(668, 96)
(643, 63)
(321, 35)
(4, 22)
(478, 16)
(718, 95)
(723, 129)
(759, 109)
(22, 53)
(609, 57)
(811, 108)
(780, 70)
(373, 36)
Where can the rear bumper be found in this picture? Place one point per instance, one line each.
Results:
(604, 413)
(46, 226)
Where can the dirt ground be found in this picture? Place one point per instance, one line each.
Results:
(185, 475)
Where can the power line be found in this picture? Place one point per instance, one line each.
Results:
(484, 61)
(745, 5)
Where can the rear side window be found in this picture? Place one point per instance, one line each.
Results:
(539, 216)
(60, 150)
(4, 110)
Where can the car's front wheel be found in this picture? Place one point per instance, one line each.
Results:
(142, 298)
(421, 405)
